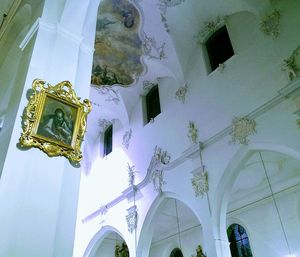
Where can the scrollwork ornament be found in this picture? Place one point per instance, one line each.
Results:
(242, 128)
(181, 92)
(192, 132)
(54, 120)
(131, 218)
(289, 65)
(270, 24)
(126, 138)
(209, 28)
(200, 183)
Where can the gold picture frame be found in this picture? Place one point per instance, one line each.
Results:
(54, 120)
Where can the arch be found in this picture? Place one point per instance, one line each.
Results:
(145, 236)
(229, 176)
(98, 238)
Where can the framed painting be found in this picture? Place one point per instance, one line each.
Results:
(55, 120)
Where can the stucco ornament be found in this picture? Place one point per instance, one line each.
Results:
(200, 183)
(131, 174)
(159, 160)
(131, 218)
(192, 132)
(152, 49)
(104, 124)
(163, 5)
(270, 24)
(126, 138)
(209, 28)
(181, 92)
(147, 85)
(111, 93)
(289, 65)
(242, 128)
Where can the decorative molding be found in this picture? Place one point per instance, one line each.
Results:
(242, 128)
(192, 132)
(200, 182)
(104, 124)
(158, 162)
(181, 92)
(164, 4)
(30, 34)
(270, 24)
(111, 93)
(131, 174)
(289, 65)
(147, 85)
(209, 28)
(131, 218)
(126, 138)
(152, 50)
(164, 22)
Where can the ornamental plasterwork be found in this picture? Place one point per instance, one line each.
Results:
(270, 24)
(159, 159)
(289, 65)
(181, 92)
(110, 92)
(209, 28)
(131, 218)
(152, 49)
(200, 183)
(192, 132)
(131, 174)
(104, 124)
(147, 85)
(242, 128)
(126, 138)
(163, 5)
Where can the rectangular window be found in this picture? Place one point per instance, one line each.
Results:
(152, 103)
(219, 48)
(108, 140)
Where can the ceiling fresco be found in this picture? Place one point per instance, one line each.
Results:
(118, 47)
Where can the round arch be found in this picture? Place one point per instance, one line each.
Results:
(145, 236)
(229, 176)
(98, 238)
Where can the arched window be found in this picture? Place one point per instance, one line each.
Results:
(239, 242)
(176, 253)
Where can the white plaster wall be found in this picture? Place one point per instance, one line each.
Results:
(250, 78)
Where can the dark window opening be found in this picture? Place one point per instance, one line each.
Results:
(152, 103)
(219, 48)
(176, 253)
(108, 140)
(239, 242)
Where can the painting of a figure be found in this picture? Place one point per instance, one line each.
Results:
(118, 47)
(57, 121)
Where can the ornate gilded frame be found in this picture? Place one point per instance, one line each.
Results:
(54, 120)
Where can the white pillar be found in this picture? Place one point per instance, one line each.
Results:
(39, 194)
